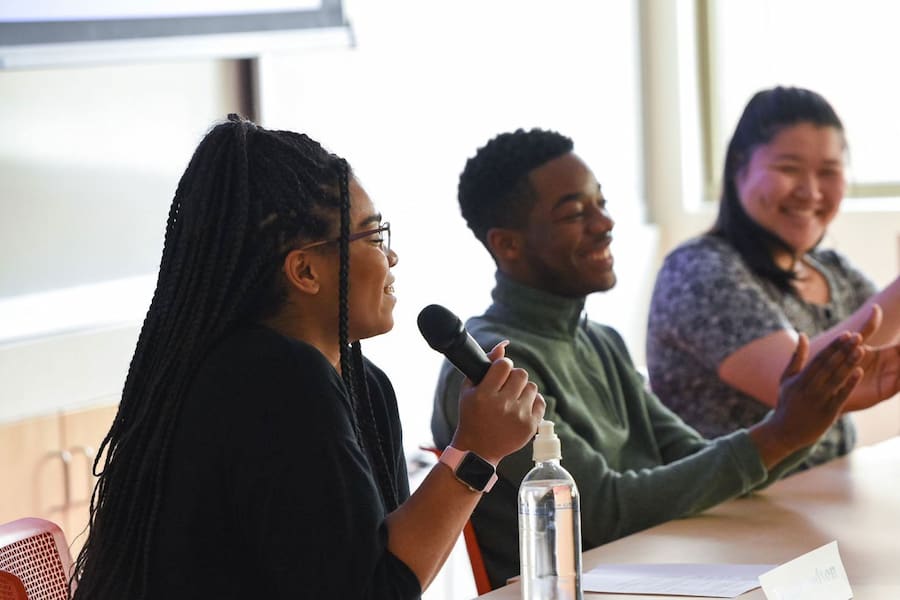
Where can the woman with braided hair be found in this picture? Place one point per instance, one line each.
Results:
(256, 453)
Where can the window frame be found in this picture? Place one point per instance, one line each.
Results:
(710, 117)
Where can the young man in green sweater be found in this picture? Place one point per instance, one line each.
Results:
(540, 212)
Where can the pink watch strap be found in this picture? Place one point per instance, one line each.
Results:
(452, 457)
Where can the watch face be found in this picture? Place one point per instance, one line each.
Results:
(475, 471)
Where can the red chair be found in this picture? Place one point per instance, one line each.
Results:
(35, 551)
(479, 572)
(11, 587)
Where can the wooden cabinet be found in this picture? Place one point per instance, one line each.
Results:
(31, 470)
(45, 468)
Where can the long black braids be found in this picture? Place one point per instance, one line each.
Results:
(352, 366)
(343, 310)
(247, 197)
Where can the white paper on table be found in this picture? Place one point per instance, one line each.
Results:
(816, 575)
(677, 579)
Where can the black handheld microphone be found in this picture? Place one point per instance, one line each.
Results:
(445, 333)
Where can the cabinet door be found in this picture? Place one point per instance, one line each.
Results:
(82, 432)
(32, 470)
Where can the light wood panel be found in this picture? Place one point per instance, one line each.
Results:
(82, 432)
(45, 468)
(31, 470)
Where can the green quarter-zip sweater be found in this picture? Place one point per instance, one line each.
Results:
(636, 464)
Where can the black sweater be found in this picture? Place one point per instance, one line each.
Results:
(268, 493)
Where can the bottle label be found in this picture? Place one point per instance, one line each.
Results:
(562, 501)
(562, 494)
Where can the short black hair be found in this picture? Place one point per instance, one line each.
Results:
(493, 188)
(767, 113)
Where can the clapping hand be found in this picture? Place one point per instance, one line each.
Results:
(810, 397)
(881, 365)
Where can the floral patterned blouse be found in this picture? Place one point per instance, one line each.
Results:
(707, 304)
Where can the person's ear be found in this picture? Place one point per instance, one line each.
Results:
(505, 244)
(301, 272)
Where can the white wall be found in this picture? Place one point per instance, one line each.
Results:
(89, 161)
(88, 165)
(426, 87)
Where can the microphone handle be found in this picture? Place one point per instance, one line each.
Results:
(467, 356)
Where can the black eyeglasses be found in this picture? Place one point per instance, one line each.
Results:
(384, 243)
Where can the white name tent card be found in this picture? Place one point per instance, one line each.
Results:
(817, 575)
(676, 579)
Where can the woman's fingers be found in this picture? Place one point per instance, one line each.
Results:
(497, 374)
(501, 413)
(514, 386)
(886, 367)
(498, 351)
(538, 408)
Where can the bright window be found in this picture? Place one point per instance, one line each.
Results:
(843, 50)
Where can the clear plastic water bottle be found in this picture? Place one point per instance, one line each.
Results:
(549, 525)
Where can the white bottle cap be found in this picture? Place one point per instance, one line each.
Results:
(546, 443)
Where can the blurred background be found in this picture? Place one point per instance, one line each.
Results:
(103, 105)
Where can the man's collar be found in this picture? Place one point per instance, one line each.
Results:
(537, 310)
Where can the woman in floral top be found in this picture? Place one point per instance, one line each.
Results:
(728, 305)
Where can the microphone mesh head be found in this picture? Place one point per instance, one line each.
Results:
(439, 326)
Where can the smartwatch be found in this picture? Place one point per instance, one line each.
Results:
(473, 471)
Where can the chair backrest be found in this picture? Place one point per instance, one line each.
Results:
(11, 587)
(35, 551)
(479, 572)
